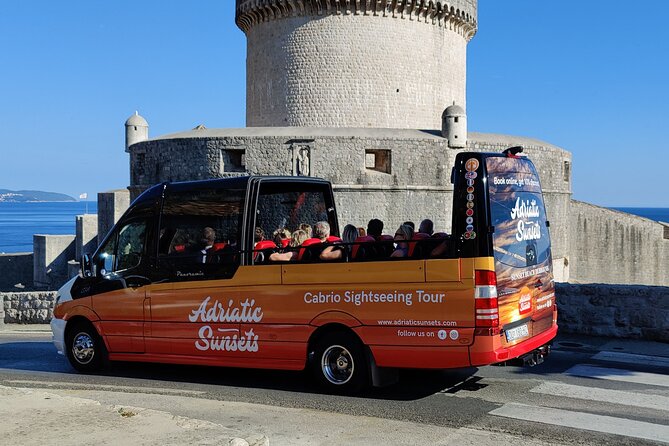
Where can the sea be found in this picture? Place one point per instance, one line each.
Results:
(19, 221)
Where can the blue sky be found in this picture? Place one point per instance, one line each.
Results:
(588, 76)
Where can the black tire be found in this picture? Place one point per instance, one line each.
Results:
(339, 364)
(85, 349)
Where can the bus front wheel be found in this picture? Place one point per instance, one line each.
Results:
(339, 363)
(85, 348)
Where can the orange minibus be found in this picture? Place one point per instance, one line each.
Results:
(191, 274)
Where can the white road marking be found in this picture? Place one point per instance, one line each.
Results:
(630, 358)
(585, 421)
(630, 376)
(136, 389)
(657, 402)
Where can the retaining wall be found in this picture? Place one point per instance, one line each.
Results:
(619, 311)
(33, 307)
(607, 246)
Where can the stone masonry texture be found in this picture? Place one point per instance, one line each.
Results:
(34, 307)
(355, 63)
(417, 185)
(620, 311)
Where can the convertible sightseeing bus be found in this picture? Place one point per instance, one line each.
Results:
(186, 276)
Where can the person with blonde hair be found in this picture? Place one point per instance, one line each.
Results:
(402, 237)
(296, 239)
(306, 228)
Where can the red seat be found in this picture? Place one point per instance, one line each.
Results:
(218, 246)
(333, 239)
(264, 244)
(180, 248)
(307, 242)
(285, 242)
(261, 246)
(355, 249)
(417, 236)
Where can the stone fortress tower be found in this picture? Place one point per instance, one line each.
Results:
(370, 94)
(347, 63)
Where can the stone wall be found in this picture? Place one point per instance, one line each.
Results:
(52, 252)
(111, 206)
(620, 311)
(16, 269)
(35, 307)
(608, 246)
(410, 179)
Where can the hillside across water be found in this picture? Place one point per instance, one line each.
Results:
(24, 196)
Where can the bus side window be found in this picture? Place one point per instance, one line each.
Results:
(199, 234)
(288, 205)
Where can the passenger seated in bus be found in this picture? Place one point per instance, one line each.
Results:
(411, 224)
(375, 228)
(426, 227)
(208, 239)
(296, 240)
(361, 231)
(402, 237)
(340, 251)
(281, 237)
(442, 248)
(258, 236)
(306, 228)
(322, 233)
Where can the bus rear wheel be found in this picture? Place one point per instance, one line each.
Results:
(339, 363)
(85, 349)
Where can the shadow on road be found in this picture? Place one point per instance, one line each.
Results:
(34, 356)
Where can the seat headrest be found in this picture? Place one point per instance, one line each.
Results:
(311, 241)
(265, 244)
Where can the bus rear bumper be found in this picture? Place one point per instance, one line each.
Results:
(488, 350)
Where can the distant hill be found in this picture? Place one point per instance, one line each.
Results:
(23, 196)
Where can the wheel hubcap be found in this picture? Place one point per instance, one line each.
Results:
(337, 365)
(83, 348)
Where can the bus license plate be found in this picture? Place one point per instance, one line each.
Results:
(517, 333)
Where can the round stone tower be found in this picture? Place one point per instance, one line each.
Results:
(136, 130)
(355, 63)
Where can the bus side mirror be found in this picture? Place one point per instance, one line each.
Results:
(86, 266)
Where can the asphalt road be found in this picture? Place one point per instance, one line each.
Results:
(578, 396)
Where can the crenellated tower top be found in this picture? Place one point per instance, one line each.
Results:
(355, 63)
(457, 15)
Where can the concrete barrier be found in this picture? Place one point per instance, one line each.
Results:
(16, 269)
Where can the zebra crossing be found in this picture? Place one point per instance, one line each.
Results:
(652, 394)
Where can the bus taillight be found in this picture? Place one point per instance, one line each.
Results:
(485, 296)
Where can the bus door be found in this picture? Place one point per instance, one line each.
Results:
(119, 296)
(522, 249)
(195, 310)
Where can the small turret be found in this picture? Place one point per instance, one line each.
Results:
(454, 126)
(136, 130)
